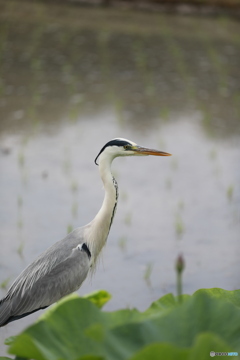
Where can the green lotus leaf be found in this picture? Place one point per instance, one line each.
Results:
(99, 297)
(76, 328)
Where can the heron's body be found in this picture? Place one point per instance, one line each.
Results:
(62, 268)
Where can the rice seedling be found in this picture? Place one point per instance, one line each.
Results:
(144, 69)
(213, 154)
(178, 56)
(118, 104)
(20, 223)
(20, 249)
(219, 67)
(122, 243)
(69, 228)
(128, 219)
(165, 113)
(21, 159)
(237, 103)
(4, 283)
(20, 201)
(67, 162)
(168, 183)
(73, 113)
(75, 209)
(105, 63)
(147, 273)
(230, 191)
(74, 186)
(179, 226)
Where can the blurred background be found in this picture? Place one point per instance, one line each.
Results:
(71, 79)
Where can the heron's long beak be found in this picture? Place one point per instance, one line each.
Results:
(145, 151)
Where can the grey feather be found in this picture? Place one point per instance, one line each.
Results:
(57, 272)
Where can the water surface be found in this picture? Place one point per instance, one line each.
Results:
(70, 84)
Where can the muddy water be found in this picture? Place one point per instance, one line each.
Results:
(69, 85)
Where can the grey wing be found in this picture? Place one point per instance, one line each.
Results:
(56, 273)
(62, 280)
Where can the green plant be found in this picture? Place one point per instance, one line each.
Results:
(4, 283)
(20, 201)
(74, 209)
(230, 190)
(128, 219)
(20, 249)
(21, 159)
(69, 228)
(179, 226)
(77, 328)
(180, 264)
(122, 243)
(148, 273)
(74, 186)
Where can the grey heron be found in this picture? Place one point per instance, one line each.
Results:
(62, 268)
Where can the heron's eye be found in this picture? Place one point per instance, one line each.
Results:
(127, 147)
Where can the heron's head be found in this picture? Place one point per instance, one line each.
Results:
(124, 147)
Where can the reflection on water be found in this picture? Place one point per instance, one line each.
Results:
(68, 85)
(50, 69)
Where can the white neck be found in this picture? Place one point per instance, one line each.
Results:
(100, 226)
